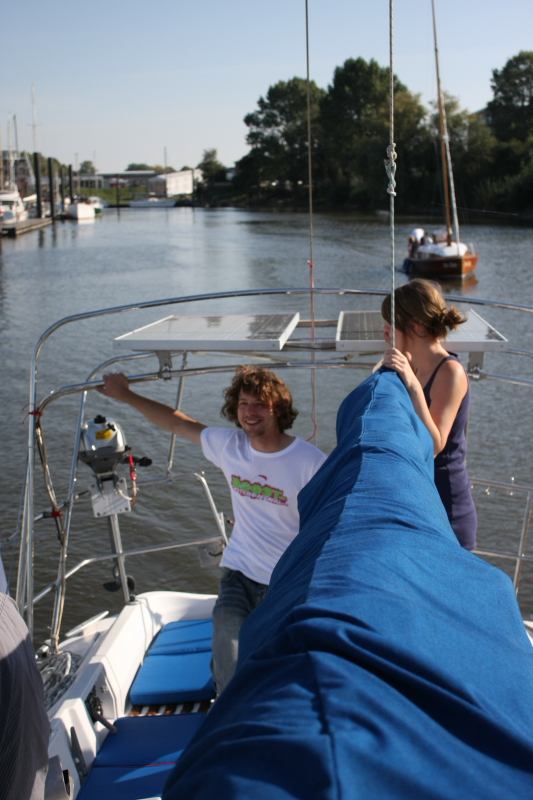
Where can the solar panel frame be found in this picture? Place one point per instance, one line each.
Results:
(212, 332)
(362, 331)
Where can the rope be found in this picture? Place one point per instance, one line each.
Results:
(310, 261)
(390, 166)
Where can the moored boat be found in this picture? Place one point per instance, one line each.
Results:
(80, 210)
(12, 208)
(153, 202)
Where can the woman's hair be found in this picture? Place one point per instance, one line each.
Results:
(267, 387)
(422, 302)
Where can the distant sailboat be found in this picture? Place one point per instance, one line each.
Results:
(441, 255)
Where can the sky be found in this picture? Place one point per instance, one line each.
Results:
(122, 81)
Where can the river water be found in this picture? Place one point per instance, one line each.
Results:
(138, 255)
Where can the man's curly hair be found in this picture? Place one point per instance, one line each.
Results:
(267, 387)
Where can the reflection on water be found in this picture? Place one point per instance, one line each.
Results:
(133, 256)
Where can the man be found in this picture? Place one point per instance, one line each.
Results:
(265, 469)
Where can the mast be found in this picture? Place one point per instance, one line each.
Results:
(450, 205)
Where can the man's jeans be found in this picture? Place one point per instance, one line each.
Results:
(238, 596)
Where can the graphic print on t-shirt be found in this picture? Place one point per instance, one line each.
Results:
(258, 491)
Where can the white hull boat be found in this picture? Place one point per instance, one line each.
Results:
(80, 210)
(153, 202)
(12, 208)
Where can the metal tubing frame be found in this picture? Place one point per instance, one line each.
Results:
(24, 592)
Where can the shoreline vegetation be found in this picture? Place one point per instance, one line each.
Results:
(492, 149)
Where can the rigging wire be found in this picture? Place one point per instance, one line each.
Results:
(310, 261)
(390, 167)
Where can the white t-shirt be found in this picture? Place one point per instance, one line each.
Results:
(264, 489)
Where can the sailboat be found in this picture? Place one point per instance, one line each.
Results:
(441, 255)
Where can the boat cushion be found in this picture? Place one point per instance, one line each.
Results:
(134, 762)
(125, 783)
(173, 678)
(386, 661)
(183, 636)
(148, 740)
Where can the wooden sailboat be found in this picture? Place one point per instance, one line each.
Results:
(441, 255)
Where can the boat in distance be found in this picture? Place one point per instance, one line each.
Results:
(442, 255)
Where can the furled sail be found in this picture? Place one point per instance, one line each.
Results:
(386, 661)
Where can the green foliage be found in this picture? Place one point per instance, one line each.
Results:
(87, 168)
(278, 134)
(511, 110)
(350, 122)
(212, 168)
(137, 167)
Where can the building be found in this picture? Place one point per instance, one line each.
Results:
(175, 184)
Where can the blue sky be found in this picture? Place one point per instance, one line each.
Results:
(118, 81)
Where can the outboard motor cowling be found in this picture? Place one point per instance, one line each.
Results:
(102, 445)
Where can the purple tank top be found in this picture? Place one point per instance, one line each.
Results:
(451, 477)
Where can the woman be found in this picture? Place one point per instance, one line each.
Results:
(438, 386)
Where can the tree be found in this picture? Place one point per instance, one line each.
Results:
(510, 113)
(212, 168)
(138, 167)
(87, 168)
(355, 124)
(161, 170)
(278, 133)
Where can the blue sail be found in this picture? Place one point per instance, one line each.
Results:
(386, 661)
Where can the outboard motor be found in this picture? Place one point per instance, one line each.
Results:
(102, 446)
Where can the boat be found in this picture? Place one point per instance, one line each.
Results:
(81, 210)
(152, 201)
(441, 255)
(97, 203)
(12, 208)
(129, 694)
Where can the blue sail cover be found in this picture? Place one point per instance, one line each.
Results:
(386, 661)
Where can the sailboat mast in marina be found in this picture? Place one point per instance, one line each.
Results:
(441, 255)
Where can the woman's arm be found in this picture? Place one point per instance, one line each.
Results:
(448, 390)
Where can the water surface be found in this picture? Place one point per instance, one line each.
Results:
(139, 255)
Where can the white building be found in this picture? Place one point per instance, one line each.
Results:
(174, 184)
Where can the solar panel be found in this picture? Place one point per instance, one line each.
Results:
(254, 332)
(362, 331)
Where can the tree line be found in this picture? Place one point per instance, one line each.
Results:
(349, 122)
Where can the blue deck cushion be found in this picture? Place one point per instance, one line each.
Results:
(184, 636)
(385, 661)
(135, 761)
(139, 741)
(177, 667)
(125, 783)
(173, 678)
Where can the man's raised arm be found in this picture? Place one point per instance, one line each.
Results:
(116, 386)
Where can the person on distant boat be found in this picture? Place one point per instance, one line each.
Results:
(438, 385)
(416, 237)
(265, 469)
